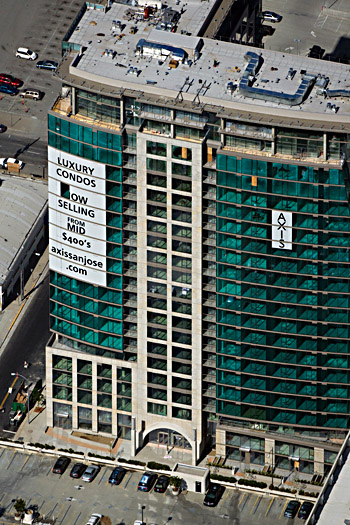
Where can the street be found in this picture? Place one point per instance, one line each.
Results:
(39, 25)
(27, 343)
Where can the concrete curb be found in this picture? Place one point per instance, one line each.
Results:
(141, 468)
(23, 307)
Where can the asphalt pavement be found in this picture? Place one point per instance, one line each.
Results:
(41, 26)
(24, 332)
(72, 501)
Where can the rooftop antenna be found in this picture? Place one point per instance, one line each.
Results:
(204, 87)
(179, 97)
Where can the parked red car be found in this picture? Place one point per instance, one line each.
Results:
(10, 80)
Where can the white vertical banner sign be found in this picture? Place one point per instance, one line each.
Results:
(282, 229)
(77, 217)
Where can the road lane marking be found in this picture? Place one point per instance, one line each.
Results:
(13, 455)
(256, 504)
(103, 475)
(60, 510)
(244, 502)
(25, 461)
(226, 495)
(240, 501)
(269, 507)
(8, 393)
(282, 511)
(75, 519)
(127, 482)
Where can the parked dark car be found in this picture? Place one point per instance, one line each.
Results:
(47, 64)
(117, 476)
(78, 470)
(90, 473)
(315, 52)
(162, 484)
(61, 465)
(213, 495)
(3, 128)
(305, 510)
(10, 80)
(147, 481)
(292, 509)
(9, 90)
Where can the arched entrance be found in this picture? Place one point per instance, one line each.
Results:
(168, 438)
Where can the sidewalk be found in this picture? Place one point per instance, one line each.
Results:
(9, 317)
(37, 432)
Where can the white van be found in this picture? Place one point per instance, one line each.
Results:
(24, 52)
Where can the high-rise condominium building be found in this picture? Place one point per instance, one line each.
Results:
(199, 241)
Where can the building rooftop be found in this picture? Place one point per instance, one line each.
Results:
(333, 503)
(198, 472)
(21, 201)
(204, 71)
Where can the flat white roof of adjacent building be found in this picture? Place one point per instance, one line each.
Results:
(337, 508)
(212, 78)
(21, 202)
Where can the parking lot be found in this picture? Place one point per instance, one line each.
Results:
(39, 25)
(71, 501)
(305, 24)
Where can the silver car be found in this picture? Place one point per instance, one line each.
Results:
(91, 473)
(270, 16)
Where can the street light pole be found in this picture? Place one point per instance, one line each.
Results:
(297, 41)
(20, 375)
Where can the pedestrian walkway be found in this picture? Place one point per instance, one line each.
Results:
(37, 432)
(11, 314)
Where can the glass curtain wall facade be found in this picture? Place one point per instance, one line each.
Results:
(282, 315)
(201, 296)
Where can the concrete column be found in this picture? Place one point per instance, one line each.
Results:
(73, 104)
(319, 461)
(114, 402)
(122, 117)
(133, 447)
(194, 447)
(273, 143)
(220, 442)
(270, 452)
(324, 146)
(94, 397)
(74, 392)
(49, 400)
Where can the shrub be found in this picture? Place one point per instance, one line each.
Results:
(283, 489)
(70, 451)
(37, 445)
(175, 482)
(306, 493)
(132, 462)
(252, 483)
(92, 455)
(228, 479)
(20, 505)
(153, 465)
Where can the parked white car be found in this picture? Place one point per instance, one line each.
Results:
(27, 54)
(10, 160)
